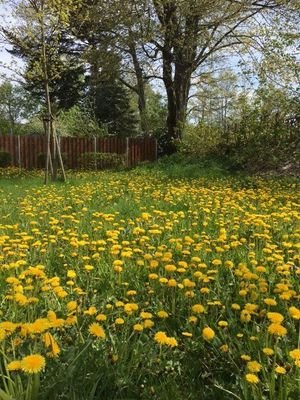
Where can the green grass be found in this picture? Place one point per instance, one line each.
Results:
(213, 227)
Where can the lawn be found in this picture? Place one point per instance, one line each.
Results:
(133, 285)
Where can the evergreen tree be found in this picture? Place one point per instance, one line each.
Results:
(110, 98)
(113, 109)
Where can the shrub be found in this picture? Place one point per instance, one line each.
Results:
(200, 139)
(101, 161)
(5, 159)
(41, 159)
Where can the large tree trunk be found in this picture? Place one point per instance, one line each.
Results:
(178, 64)
(182, 83)
(177, 89)
(140, 87)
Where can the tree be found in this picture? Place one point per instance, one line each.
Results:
(38, 39)
(109, 30)
(79, 121)
(177, 38)
(113, 110)
(187, 34)
(65, 71)
(16, 105)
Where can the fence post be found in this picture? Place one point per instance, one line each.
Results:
(156, 149)
(19, 150)
(127, 152)
(95, 151)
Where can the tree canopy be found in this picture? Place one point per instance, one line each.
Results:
(111, 50)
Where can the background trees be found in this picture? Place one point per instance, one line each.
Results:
(17, 106)
(209, 62)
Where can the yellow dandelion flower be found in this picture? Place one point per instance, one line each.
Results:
(148, 323)
(171, 342)
(275, 318)
(160, 337)
(280, 370)
(208, 334)
(224, 348)
(162, 314)
(138, 328)
(146, 315)
(294, 312)
(72, 306)
(14, 365)
(245, 357)
(254, 366)
(245, 316)
(198, 309)
(71, 274)
(2, 334)
(193, 319)
(295, 354)
(277, 330)
(51, 316)
(187, 334)
(131, 293)
(267, 351)
(97, 330)
(91, 311)
(252, 378)
(71, 320)
(101, 317)
(270, 302)
(33, 363)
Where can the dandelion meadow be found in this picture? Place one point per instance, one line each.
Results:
(131, 285)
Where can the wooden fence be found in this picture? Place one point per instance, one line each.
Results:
(26, 151)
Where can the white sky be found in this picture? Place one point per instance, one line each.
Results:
(6, 59)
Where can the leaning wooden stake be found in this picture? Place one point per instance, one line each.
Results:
(48, 156)
(57, 145)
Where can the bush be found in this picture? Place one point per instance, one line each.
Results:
(41, 159)
(5, 159)
(199, 140)
(101, 161)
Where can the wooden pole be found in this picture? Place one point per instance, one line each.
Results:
(95, 151)
(59, 154)
(127, 152)
(48, 156)
(19, 151)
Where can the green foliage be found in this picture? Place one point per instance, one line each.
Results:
(16, 105)
(42, 157)
(112, 109)
(183, 165)
(5, 159)
(78, 121)
(5, 126)
(98, 161)
(200, 139)
(155, 113)
(41, 39)
(33, 127)
(260, 133)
